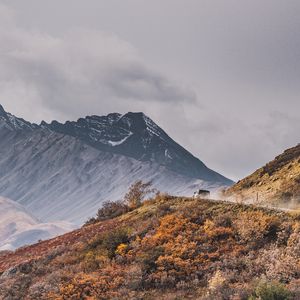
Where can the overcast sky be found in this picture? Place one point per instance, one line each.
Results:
(221, 77)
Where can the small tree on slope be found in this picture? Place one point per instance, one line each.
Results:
(137, 193)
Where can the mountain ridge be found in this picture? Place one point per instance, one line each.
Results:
(132, 134)
(137, 136)
(57, 176)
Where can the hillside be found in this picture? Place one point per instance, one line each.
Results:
(65, 171)
(277, 182)
(169, 248)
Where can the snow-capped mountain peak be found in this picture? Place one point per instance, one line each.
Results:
(137, 136)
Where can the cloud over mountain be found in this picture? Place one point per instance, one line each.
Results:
(83, 68)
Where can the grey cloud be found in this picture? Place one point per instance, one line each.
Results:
(243, 145)
(141, 83)
(81, 72)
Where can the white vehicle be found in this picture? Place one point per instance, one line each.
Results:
(201, 194)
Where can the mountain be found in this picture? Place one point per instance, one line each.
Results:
(135, 135)
(65, 171)
(169, 248)
(277, 181)
(18, 227)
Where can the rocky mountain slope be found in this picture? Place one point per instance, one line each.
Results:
(18, 227)
(58, 173)
(136, 135)
(277, 181)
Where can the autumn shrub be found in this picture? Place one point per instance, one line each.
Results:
(163, 209)
(179, 250)
(218, 286)
(294, 287)
(293, 242)
(90, 286)
(255, 226)
(159, 197)
(149, 258)
(5, 252)
(284, 233)
(107, 242)
(165, 254)
(277, 264)
(270, 290)
(223, 220)
(40, 290)
(17, 289)
(90, 221)
(92, 261)
(216, 232)
(111, 210)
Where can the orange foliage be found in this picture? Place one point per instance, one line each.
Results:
(187, 248)
(91, 286)
(255, 225)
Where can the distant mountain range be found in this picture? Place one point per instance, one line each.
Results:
(276, 182)
(18, 227)
(65, 171)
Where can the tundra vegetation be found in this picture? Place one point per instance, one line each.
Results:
(163, 248)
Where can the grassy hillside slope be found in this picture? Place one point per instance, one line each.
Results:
(169, 248)
(277, 181)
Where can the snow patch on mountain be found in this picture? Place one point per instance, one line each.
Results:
(117, 143)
